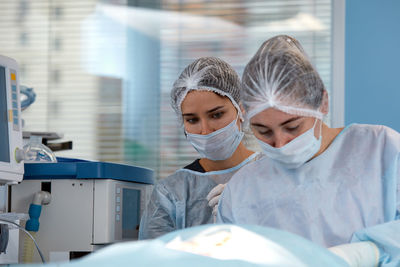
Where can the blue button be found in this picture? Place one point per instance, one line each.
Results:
(118, 190)
(14, 96)
(118, 208)
(15, 104)
(14, 88)
(117, 217)
(15, 113)
(118, 199)
(16, 121)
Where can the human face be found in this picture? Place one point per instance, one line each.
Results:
(278, 128)
(204, 112)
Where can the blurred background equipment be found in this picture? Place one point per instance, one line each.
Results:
(11, 152)
(11, 167)
(107, 66)
(74, 206)
(93, 204)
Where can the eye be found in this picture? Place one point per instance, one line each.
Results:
(192, 120)
(266, 133)
(292, 128)
(217, 115)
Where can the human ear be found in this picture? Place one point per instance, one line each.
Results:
(243, 112)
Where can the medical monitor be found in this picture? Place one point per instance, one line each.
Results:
(11, 164)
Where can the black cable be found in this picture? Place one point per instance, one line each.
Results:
(23, 229)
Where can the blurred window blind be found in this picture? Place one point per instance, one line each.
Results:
(103, 70)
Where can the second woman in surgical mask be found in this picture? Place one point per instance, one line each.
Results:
(338, 187)
(206, 99)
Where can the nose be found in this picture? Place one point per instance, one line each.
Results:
(280, 140)
(206, 128)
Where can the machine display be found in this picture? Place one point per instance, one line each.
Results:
(4, 142)
(11, 168)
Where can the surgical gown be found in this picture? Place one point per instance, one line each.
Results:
(349, 192)
(179, 201)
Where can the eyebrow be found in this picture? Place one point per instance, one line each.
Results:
(209, 111)
(215, 109)
(283, 123)
(290, 120)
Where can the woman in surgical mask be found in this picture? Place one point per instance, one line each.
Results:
(206, 99)
(338, 187)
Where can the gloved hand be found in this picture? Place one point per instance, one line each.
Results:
(359, 254)
(213, 198)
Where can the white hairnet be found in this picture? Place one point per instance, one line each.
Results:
(281, 76)
(206, 74)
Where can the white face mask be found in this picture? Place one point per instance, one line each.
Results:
(296, 152)
(218, 145)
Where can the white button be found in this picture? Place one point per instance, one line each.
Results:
(118, 208)
(117, 217)
(118, 190)
(118, 199)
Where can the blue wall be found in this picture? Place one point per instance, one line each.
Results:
(372, 81)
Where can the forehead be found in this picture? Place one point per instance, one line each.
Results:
(271, 117)
(197, 101)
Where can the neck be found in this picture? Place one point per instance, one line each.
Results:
(240, 154)
(328, 135)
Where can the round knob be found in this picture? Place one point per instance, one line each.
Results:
(19, 155)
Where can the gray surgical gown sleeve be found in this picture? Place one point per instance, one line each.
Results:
(156, 219)
(180, 200)
(224, 214)
(386, 235)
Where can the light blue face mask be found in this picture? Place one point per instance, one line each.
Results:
(296, 152)
(218, 145)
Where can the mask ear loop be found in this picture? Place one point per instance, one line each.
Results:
(315, 124)
(321, 120)
(320, 130)
(240, 117)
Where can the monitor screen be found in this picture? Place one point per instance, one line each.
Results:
(4, 138)
(130, 213)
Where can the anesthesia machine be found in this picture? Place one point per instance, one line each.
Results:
(92, 204)
(75, 206)
(11, 153)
